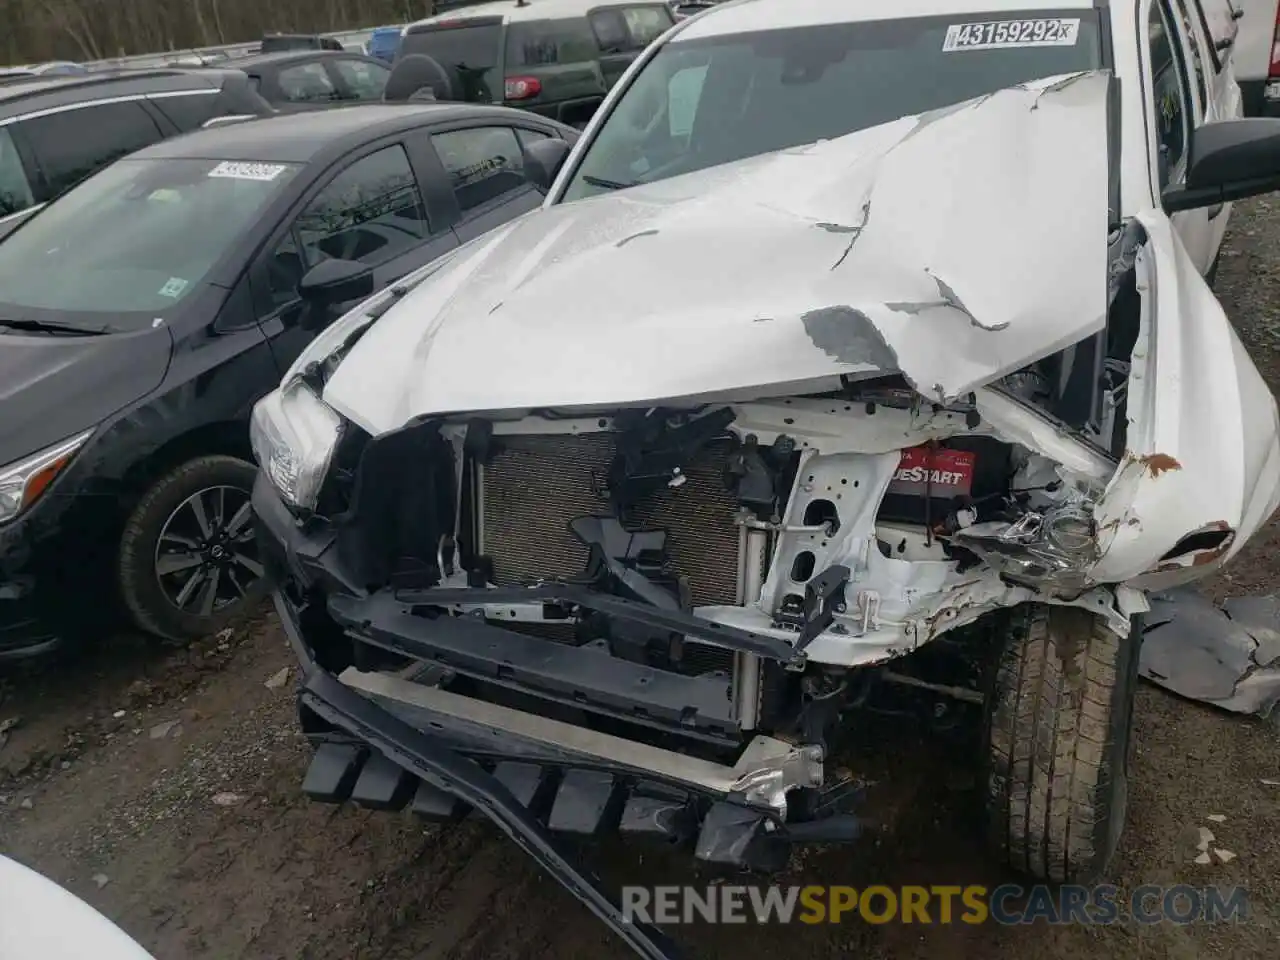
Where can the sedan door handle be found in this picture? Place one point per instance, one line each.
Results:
(1215, 210)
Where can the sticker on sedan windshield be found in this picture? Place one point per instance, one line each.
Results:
(995, 34)
(174, 287)
(239, 170)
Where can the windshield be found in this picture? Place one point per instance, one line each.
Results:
(703, 102)
(135, 239)
(468, 51)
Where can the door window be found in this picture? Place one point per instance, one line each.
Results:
(1168, 98)
(629, 29)
(363, 79)
(285, 269)
(75, 143)
(647, 24)
(15, 188)
(483, 164)
(306, 83)
(370, 212)
(189, 111)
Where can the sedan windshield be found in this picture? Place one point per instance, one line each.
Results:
(133, 241)
(707, 101)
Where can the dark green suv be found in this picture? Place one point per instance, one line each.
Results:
(557, 58)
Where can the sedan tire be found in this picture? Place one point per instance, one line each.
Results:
(188, 563)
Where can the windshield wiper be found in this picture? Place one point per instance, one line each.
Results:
(47, 326)
(606, 184)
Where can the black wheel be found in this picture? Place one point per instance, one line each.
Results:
(1057, 741)
(188, 561)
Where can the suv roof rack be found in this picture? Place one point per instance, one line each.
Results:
(38, 84)
(447, 6)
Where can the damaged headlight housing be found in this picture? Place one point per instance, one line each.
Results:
(1053, 547)
(332, 337)
(294, 435)
(22, 483)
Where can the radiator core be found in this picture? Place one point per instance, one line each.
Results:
(534, 486)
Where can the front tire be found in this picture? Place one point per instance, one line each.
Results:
(188, 565)
(1057, 742)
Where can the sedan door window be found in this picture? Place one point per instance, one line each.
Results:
(484, 164)
(369, 212)
(189, 111)
(306, 83)
(363, 80)
(72, 144)
(15, 188)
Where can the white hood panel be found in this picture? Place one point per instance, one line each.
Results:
(953, 247)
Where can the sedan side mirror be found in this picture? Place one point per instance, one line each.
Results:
(543, 161)
(1228, 160)
(329, 284)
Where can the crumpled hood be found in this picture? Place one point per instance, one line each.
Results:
(53, 387)
(952, 247)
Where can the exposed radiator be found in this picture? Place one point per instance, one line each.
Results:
(535, 485)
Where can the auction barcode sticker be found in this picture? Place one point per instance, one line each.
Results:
(995, 34)
(240, 170)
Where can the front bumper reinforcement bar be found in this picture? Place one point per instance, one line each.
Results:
(733, 638)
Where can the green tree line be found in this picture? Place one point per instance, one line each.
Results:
(38, 30)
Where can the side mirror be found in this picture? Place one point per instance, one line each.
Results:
(329, 284)
(1228, 160)
(543, 161)
(336, 281)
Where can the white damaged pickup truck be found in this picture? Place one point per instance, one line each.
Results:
(840, 334)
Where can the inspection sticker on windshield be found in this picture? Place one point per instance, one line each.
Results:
(1040, 32)
(173, 288)
(239, 170)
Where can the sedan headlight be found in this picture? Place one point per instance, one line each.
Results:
(294, 434)
(22, 483)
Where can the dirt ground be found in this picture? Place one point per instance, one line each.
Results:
(162, 787)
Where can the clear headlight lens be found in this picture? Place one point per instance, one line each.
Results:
(22, 483)
(294, 435)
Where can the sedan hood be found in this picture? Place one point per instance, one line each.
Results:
(53, 386)
(41, 921)
(951, 247)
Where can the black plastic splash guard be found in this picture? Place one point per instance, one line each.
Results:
(455, 774)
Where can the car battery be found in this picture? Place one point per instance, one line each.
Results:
(933, 481)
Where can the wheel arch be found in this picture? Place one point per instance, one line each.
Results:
(221, 437)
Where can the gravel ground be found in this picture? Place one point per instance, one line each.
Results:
(162, 786)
